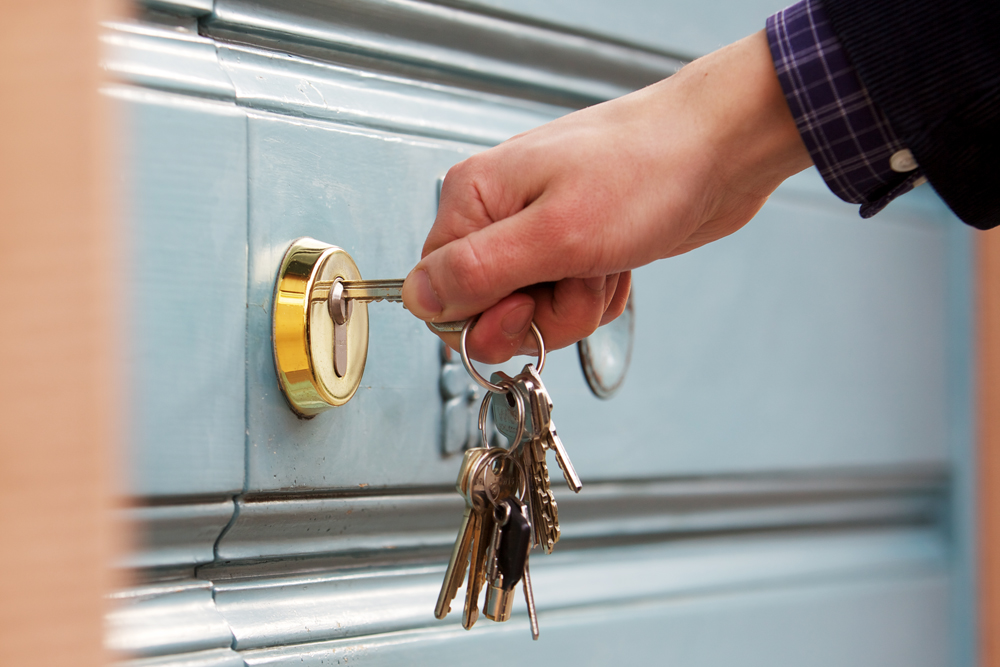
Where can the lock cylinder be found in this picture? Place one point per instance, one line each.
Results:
(319, 362)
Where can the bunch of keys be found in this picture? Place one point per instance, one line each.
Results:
(529, 443)
(517, 510)
(509, 504)
(493, 541)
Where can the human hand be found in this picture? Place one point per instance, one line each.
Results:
(547, 225)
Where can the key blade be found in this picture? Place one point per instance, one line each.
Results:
(448, 327)
(555, 443)
(458, 563)
(366, 291)
(363, 291)
(477, 569)
(529, 598)
(541, 400)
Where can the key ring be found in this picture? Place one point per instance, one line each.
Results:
(507, 388)
(495, 388)
(522, 487)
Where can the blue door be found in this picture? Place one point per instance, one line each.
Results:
(782, 479)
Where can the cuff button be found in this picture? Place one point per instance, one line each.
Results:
(903, 161)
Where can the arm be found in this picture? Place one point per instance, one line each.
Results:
(933, 68)
(547, 225)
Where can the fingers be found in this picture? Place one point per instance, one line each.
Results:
(472, 273)
(564, 312)
(568, 311)
(499, 332)
(478, 192)
(619, 299)
(609, 290)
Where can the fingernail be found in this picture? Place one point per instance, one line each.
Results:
(418, 287)
(516, 321)
(597, 283)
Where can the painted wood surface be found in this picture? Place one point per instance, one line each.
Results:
(185, 174)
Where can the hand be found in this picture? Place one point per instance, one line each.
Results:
(548, 225)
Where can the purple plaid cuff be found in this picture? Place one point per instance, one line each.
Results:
(848, 137)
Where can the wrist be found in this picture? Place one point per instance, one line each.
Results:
(753, 137)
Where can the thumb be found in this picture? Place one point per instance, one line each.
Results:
(474, 272)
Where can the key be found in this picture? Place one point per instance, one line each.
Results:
(498, 484)
(550, 437)
(477, 569)
(366, 291)
(529, 599)
(501, 515)
(363, 291)
(512, 541)
(505, 412)
(472, 519)
(541, 500)
(554, 443)
(545, 511)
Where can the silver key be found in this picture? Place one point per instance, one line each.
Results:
(363, 291)
(544, 510)
(501, 515)
(549, 436)
(472, 520)
(553, 442)
(486, 484)
(509, 554)
(531, 452)
(367, 291)
(529, 599)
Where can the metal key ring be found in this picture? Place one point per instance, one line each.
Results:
(522, 487)
(495, 388)
(484, 411)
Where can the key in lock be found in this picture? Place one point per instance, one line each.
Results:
(319, 332)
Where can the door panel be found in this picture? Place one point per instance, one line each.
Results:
(185, 174)
(809, 338)
(374, 194)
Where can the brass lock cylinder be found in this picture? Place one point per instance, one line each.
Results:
(304, 334)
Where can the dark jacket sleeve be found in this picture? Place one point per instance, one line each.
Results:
(933, 67)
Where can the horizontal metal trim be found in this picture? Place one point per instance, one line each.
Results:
(829, 624)
(174, 534)
(165, 619)
(220, 657)
(275, 526)
(164, 59)
(293, 86)
(185, 7)
(444, 43)
(365, 601)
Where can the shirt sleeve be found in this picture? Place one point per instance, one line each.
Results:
(850, 140)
